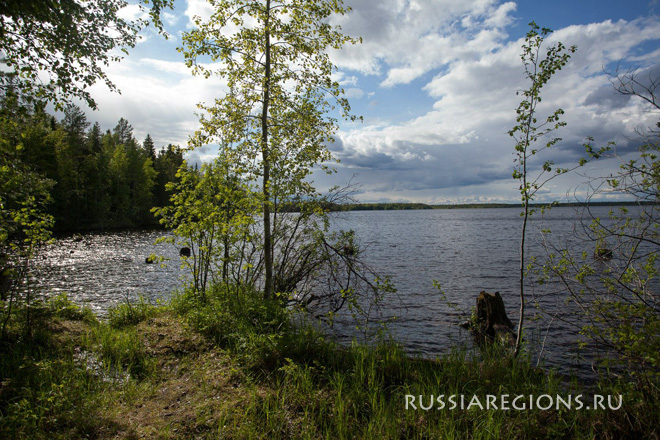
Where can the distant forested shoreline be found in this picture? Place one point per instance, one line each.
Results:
(415, 206)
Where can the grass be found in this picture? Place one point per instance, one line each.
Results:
(234, 367)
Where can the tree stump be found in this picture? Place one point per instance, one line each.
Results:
(492, 322)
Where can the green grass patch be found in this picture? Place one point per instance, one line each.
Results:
(62, 378)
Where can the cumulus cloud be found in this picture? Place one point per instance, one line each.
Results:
(462, 140)
(410, 38)
(157, 97)
(198, 9)
(132, 12)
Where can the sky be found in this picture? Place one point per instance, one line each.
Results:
(436, 84)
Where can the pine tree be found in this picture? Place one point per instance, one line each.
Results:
(149, 147)
(123, 132)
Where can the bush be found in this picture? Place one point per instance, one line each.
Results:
(238, 319)
(614, 282)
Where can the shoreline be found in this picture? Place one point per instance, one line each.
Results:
(423, 206)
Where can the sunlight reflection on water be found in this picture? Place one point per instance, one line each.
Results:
(105, 268)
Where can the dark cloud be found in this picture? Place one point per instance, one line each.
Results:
(432, 167)
(193, 159)
(335, 147)
(606, 99)
(375, 160)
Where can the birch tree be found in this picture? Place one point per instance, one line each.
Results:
(275, 113)
(529, 131)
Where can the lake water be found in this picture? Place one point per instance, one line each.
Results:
(465, 250)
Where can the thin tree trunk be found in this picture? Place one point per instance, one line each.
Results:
(522, 280)
(268, 251)
(225, 262)
(526, 197)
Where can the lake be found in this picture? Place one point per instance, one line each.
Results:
(465, 250)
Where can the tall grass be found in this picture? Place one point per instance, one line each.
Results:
(127, 313)
(309, 387)
(58, 386)
(239, 319)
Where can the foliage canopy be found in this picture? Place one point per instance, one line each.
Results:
(53, 50)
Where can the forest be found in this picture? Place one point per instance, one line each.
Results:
(96, 179)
